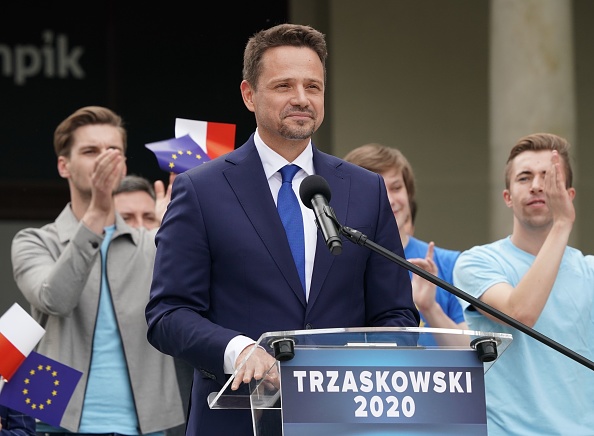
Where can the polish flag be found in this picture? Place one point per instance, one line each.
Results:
(214, 138)
(19, 334)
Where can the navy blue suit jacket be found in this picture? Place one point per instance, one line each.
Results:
(224, 268)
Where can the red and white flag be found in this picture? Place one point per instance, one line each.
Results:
(214, 138)
(19, 334)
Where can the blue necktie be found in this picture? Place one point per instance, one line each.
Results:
(290, 215)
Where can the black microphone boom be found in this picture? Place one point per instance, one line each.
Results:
(315, 194)
(315, 190)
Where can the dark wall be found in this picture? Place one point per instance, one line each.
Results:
(150, 65)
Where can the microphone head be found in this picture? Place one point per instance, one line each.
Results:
(311, 186)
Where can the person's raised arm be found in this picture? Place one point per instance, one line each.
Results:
(163, 196)
(424, 293)
(526, 301)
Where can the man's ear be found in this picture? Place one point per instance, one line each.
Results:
(63, 163)
(507, 198)
(247, 93)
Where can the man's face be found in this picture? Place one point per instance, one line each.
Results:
(398, 196)
(289, 101)
(526, 196)
(89, 142)
(137, 208)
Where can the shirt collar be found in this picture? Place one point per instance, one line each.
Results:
(272, 161)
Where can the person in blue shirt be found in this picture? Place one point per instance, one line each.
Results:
(87, 277)
(438, 308)
(15, 423)
(535, 277)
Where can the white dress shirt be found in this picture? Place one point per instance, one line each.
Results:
(272, 163)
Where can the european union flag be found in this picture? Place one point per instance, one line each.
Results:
(41, 388)
(177, 155)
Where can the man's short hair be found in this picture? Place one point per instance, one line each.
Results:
(89, 115)
(133, 183)
(541, 142)
(380, 159)
(295, 35)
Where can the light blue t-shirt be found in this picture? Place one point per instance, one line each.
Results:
(532, 389)
(444, 260)
(109, 403)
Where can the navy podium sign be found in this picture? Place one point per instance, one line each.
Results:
(383, 391)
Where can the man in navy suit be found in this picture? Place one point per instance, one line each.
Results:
(224, 273)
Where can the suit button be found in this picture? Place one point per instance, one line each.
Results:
(208, 374)
(308, 326)
(94, 244)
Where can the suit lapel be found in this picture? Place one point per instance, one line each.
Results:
(327, 167)
(248, 181)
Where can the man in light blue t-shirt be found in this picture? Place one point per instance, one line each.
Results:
(87, 276)
(534, 277)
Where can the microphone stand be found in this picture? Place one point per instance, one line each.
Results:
(359, 238)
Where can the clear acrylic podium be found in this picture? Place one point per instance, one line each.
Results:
(377, 381)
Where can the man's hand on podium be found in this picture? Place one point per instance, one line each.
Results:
(259, 365)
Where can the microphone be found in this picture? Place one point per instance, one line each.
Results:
(315, 194)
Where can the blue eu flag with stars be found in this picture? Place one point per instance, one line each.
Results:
(177, 155)
(41, 387)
